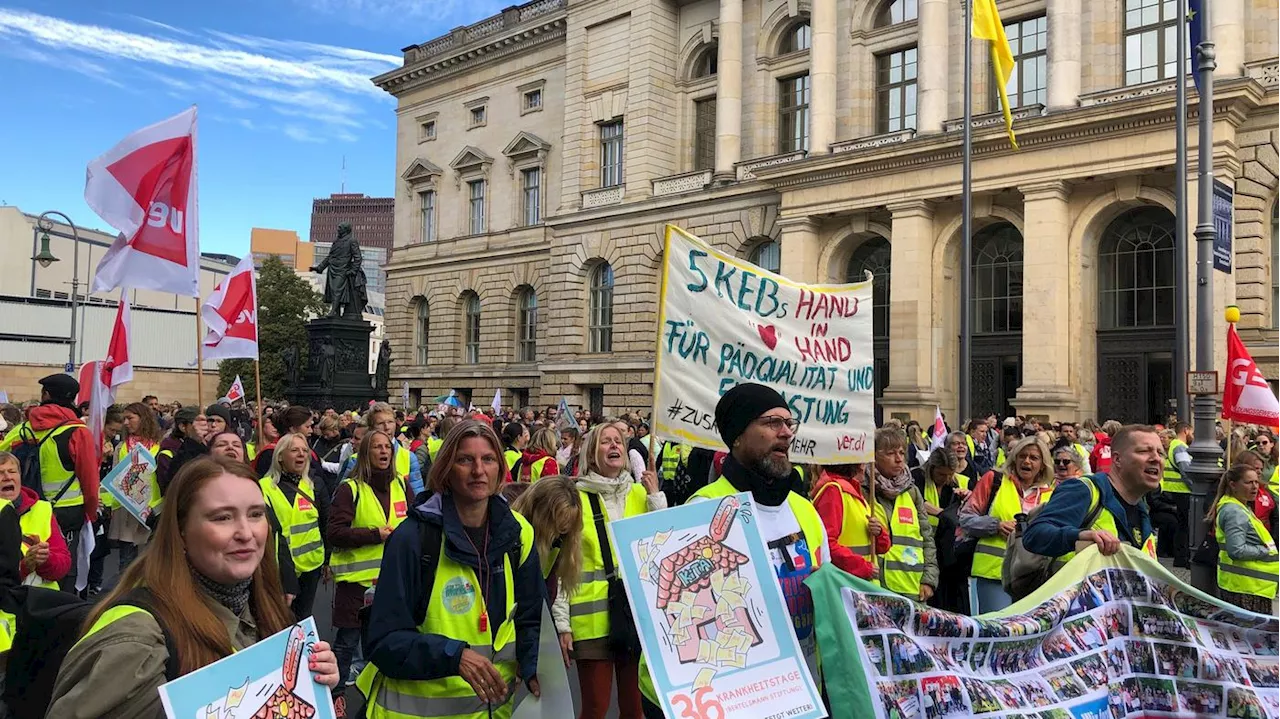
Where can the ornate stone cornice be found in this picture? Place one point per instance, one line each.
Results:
(516, 29)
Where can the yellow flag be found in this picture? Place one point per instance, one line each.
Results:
(987, 26)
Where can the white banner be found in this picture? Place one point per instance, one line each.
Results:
(724, 321)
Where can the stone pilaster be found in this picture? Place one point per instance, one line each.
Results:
(1228, 37)
(934, 66)
(729, 90)
(800, 248)
(911, 387)
(1064, 18)
(822, 72)
(1047, 321)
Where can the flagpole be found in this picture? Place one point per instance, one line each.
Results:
(257, 393)
(966, 224)
(199, 362)
(1181, 305)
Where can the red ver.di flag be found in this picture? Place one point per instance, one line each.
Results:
(231, 314)
(145, 187)
(1246, 396)
(236, 391)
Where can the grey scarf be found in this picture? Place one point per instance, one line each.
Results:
(235, 597)
(891, 487)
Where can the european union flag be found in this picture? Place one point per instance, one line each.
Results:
(1197, 36)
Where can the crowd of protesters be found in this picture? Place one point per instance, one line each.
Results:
(406, 512)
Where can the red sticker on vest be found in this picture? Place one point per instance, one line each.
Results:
(400, 509)
(304, 504)
(906, 515)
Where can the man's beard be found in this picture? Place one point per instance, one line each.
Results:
(771, 467)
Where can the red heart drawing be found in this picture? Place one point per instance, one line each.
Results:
(769, 334)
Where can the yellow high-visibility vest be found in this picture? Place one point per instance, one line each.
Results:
(53, 475)
(37, 521)
(359, 565)
(589, 605)
(902, 567)
(1259, 577)
(301, 522)
(1173, 480)
(988, 555)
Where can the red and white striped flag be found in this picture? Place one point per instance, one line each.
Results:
(231, 314)
(145, 187)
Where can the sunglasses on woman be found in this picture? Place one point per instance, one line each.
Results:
(1064, 463)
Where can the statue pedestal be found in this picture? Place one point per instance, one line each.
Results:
(337, 370)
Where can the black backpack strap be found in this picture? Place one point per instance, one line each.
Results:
(432, 535)
(141, 598)
(46, 438)
(602, 536)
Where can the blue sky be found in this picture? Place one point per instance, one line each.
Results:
(282, 86)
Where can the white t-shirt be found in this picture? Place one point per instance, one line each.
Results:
(793, 560)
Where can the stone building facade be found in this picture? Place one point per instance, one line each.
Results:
(540, 152)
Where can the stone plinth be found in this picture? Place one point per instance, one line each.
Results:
(337, 370)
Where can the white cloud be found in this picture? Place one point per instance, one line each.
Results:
(374, 13)
(326, 85)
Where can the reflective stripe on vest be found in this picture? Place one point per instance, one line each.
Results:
(301, 523)
(37, 522)
(454, 611)
(1258, 577)
(53, 475)
(902, 567)
(988, 555)
(1173, 481)
(360, 565)
(589, 605)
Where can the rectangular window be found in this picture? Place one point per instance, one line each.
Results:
(531, 182)
(1150, 40)
(896, 91)
(428, 200)
(427, 131)
(478, 116)
(704, 134)
(520, 398)
(595, 401)
(611, 154)
(533, 100)
(1028, 84)
(475, 219)
(793, 114)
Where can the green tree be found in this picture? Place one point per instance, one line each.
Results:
(285, 301)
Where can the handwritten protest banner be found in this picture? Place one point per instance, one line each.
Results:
(1106, 638)
(711, 617)
(724, 321)
(130, 482)
(269, 680)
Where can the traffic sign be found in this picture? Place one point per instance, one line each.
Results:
(1202, 382)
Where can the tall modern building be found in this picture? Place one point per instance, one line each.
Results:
(293, 252)
(541, 150)
(372, 220)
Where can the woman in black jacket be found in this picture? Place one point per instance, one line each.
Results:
(936, 480)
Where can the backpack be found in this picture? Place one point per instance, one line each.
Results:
(1023, 570)
(49, 623)
(27, 452)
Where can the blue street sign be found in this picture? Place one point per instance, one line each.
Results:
(69, 368)
(1223, 202)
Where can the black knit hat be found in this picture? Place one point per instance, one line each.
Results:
(741, 406)
(218, 410)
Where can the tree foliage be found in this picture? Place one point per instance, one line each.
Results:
(285, 302)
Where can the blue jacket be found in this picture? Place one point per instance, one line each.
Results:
(415, 468)
(394, 643)
(1053, 531)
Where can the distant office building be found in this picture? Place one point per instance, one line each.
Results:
(285, 244)
(374, 259)
(372, 218)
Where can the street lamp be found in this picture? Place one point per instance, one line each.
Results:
(46, 257)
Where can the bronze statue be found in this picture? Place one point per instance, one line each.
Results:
(382, 375)
(344, 286)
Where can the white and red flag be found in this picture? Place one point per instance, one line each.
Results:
(939, 430)
(231, 314)
(1246, 396)
(99, 379)
(145, 187)
(236, 390)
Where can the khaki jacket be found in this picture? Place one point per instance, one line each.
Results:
(116, 673)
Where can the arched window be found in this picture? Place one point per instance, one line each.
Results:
(997, 279)
(422, 329)
(705, 64)
(471, 328)
(797, 38)
(527, 326)
(896, 11)
(1275, 265)
(768, 256)
(873, 256)
(600, 306)
(1135, 271)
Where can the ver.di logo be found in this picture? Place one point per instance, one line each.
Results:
(459, 595)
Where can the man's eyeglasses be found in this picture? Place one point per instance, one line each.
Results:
(777, 423)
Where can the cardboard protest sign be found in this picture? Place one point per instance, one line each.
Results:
(724, 321)
(130, 482)
(269, 680)
(1106, 638)
(711, 617)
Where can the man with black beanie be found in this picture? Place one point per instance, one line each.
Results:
(69, 460)
(756, 425)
